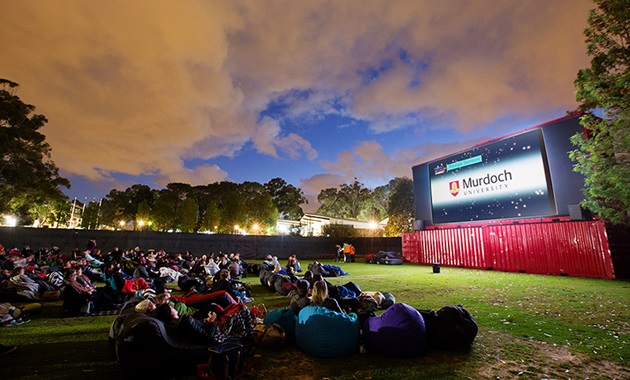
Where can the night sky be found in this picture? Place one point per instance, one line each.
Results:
(318, 93)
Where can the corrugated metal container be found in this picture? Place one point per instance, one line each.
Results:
(566, 248)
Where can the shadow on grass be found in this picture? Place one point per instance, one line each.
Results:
(290, 363)
(76, 360)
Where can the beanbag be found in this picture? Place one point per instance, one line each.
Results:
(451, 328)
(141, 339)
(324, 333)
(399, 332)
(389, 258)
(285, 317)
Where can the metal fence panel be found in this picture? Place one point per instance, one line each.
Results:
(577, 248)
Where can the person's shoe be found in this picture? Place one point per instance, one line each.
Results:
(6, 349)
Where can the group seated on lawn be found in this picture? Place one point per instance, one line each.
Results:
(211, 308)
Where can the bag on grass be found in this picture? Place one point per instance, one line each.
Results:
(226, 360)
(269, 336)
(450, 328)
(388, 300)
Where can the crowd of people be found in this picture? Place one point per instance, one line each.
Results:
(313, 289)
(27, 275)
(40, 275)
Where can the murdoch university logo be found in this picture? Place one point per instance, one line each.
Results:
(454, 187)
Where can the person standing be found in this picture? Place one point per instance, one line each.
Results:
(338, 253)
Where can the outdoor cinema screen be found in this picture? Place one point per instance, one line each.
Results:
(508, 178)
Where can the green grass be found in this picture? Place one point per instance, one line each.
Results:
(530, 326)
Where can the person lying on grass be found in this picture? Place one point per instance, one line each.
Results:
(81, 298)
(235, 322)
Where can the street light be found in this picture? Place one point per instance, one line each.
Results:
(255, 227)
(10, 220)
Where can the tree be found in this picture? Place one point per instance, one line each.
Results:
(401, 208)
(50, 210)
(27, 172)
(330, 202)
(355, 197)
(110, 214)
(145, 215)
(261, 210)
(189, 215)
(232, 209)
(126, 202)
(347, 202)
(375, 207)
(207, 200)
(287, 198)
(603, 151)
(90, 217)
(163, 213)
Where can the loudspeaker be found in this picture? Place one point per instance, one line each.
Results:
(418, 225)
(576, 212)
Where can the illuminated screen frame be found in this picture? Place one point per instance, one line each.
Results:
(504, 179)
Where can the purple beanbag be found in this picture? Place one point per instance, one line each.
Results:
(399, 332)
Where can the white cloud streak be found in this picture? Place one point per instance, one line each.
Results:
(141, 87)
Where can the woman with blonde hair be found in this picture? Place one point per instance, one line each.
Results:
(320, 297)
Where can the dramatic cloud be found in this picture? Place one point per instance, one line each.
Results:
(161, 90)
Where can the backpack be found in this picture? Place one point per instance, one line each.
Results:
(269, 336)
(285, 317)
(451, 327)
(367, 304)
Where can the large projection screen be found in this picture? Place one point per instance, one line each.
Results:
(508, 178)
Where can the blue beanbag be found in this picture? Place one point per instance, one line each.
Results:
(324, 333)
(285, 317)
(399, 332)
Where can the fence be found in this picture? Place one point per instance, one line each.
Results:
(566, 248)
(253, 247)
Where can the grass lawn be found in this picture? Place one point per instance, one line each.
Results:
(530, 327)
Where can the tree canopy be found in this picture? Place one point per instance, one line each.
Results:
(345, 202)
(355, 201)
(28, 176)
(401, 209)
(603, 151)
(287, 198)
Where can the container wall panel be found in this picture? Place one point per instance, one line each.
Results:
(566, 248)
